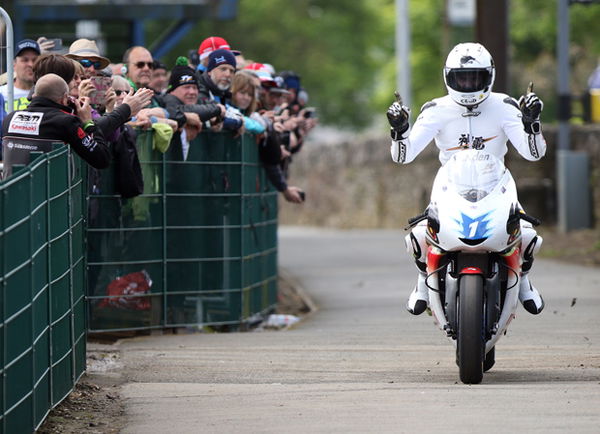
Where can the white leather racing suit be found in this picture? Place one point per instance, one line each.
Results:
(453, 127)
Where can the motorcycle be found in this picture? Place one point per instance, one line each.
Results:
(473, 258)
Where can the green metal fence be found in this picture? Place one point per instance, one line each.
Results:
(199, 247)
(43, 280)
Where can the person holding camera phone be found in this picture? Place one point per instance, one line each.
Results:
(49, 119)
(94, 84)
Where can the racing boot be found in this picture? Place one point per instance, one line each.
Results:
(529, 297)
(416, 245)
(419, 297)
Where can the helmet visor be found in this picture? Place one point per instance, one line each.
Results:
(468, 80)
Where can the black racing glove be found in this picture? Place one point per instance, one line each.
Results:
(398, 115)
(531, 107)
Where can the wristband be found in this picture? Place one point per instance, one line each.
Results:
(88, 124)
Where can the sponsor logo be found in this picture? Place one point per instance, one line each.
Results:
(466, 141)
(27, 123)
(466, 59)
(533, 146)
(401, 152)
(12, 145)
(186, 79)
(89, 143)
(220, 59)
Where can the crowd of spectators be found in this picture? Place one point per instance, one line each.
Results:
(214, 88)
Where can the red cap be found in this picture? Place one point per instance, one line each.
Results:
(211, 44)
(262, 73)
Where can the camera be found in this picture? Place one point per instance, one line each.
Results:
(309, 112)
(194, 57)
(58, 44)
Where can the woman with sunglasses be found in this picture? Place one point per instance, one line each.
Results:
(87, 54)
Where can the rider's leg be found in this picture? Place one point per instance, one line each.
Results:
(530, 244)
(417, 246)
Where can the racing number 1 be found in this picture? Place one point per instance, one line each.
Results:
(473, 227)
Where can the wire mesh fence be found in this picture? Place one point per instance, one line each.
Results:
(197, 248)
(42, 287)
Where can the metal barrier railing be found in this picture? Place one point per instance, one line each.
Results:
(42, 287)
(6, 52)
(197, 248)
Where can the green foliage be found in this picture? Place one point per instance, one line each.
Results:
(332, 45)
(344, 49)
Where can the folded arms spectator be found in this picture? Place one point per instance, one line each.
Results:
(181, 100)
(214, 85)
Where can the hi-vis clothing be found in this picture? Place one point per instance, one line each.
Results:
(18, 104)
(454, 127)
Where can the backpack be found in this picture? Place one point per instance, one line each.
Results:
(129, 181)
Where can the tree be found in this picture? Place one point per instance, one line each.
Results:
(344, 49)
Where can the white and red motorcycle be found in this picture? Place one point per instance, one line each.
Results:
(473, 258)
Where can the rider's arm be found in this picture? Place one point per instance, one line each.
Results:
(531, 146)
(418, 137)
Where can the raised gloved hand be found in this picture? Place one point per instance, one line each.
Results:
(531, 106)
(398, 116)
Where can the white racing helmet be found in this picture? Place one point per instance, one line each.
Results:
(469, 73)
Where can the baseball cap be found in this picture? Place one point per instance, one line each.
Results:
(259, 69)
(213, 43)
(27, 44)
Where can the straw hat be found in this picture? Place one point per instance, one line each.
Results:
(86, 49)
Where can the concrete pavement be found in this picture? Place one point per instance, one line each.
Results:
(362, 364)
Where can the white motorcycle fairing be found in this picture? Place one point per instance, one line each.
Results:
(474, 236)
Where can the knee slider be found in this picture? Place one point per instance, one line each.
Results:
(416, 243)
(531, 244)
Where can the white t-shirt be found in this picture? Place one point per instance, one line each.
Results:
(452, 127)
(17, 93)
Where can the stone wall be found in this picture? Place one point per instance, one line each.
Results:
(354, 183)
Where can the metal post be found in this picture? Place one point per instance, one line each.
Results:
(572, 171)
(403, 77)
(564, 97)
(10, 47)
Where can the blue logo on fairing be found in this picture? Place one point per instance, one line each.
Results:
(475, 228)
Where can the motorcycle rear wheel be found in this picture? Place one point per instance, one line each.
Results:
(470, 341)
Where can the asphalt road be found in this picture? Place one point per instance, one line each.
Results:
(362, 364)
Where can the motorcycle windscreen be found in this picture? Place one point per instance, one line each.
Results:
(474, 174)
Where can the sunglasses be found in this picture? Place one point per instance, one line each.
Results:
(121, 92)
(86, 63)
(140, 65)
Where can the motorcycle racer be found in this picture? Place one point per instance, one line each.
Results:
(471, 116)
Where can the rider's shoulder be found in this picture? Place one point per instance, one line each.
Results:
(437, 104)
(504, 101)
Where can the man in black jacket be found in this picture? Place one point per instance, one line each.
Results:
(47, 120)
(214, 86)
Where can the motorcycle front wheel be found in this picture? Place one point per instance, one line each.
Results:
(471, 341)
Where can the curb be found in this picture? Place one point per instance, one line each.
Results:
(301, 292)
